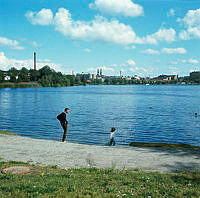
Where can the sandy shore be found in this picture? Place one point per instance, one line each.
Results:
(71, 155)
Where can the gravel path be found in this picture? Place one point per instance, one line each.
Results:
(71, 155)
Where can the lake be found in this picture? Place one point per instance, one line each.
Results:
(140, 113)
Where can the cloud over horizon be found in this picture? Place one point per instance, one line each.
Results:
(6, 63)
(13, 44)
(174, 50)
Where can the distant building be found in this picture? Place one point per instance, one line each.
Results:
(101, 73)
(136, 77)
(34, 60)
(94, 76)
(166, 77)
(195, 75)
(98, 73)
(87, 76)
(126, 77)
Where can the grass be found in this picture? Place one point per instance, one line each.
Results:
(46, 182)
(163, 145)
(19, 85)
(7, 133)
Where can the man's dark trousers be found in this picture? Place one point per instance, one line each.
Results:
(64, 126)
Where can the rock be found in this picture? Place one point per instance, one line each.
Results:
(16, 170)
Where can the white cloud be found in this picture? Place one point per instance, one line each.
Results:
(171, 12)
(35, 44)
(167, 35)
(189, 61)
(192, 61)
(131, 62)
(118, 7)
(174, 70)
(131, 47)
(192, 18)
(141, 70)
(87, 50)
(150, 51)
(184, 35)
(43, 17)
(6, 63)
(128, 68)
(98, 29)
(192, 23)
(104, 68)
(174, 51)
(13, 44)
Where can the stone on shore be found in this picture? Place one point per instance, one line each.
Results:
(16, 170)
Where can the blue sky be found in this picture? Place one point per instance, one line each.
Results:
(137, 37)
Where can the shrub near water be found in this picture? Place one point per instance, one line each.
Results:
(91, 182)
(18, 85)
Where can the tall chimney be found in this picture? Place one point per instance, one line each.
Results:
(34, 60)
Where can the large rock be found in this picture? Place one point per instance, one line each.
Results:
(16, 170)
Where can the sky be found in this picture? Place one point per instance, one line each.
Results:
(138, 37)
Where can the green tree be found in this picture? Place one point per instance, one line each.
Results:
(45, 71)
(24, 75)
(45, 81)
(78, 80)
(34, 75)
(72, 79)
(13, 73)
(1, 76)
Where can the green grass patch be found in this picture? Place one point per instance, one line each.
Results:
(19, 85)
(47, 182)
(163, 145)
(7, 133)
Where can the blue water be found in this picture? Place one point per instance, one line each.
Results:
(140, 113)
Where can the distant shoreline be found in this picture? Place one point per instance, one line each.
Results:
(30, 85)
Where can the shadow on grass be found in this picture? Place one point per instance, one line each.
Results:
(187, 178)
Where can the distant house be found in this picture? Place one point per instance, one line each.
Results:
(88, 81)
(7, 78)
(166, 77)
(136, 77)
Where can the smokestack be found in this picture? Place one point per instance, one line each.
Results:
(34, 60)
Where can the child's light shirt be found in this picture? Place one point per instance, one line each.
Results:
(112, 134)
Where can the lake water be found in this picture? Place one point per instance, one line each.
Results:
(140, 113)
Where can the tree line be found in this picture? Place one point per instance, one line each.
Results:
(45, 76)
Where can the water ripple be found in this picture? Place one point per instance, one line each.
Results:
(140, 113)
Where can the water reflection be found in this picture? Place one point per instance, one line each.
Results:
(141, 113)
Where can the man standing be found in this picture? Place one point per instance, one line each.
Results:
(64, 123)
